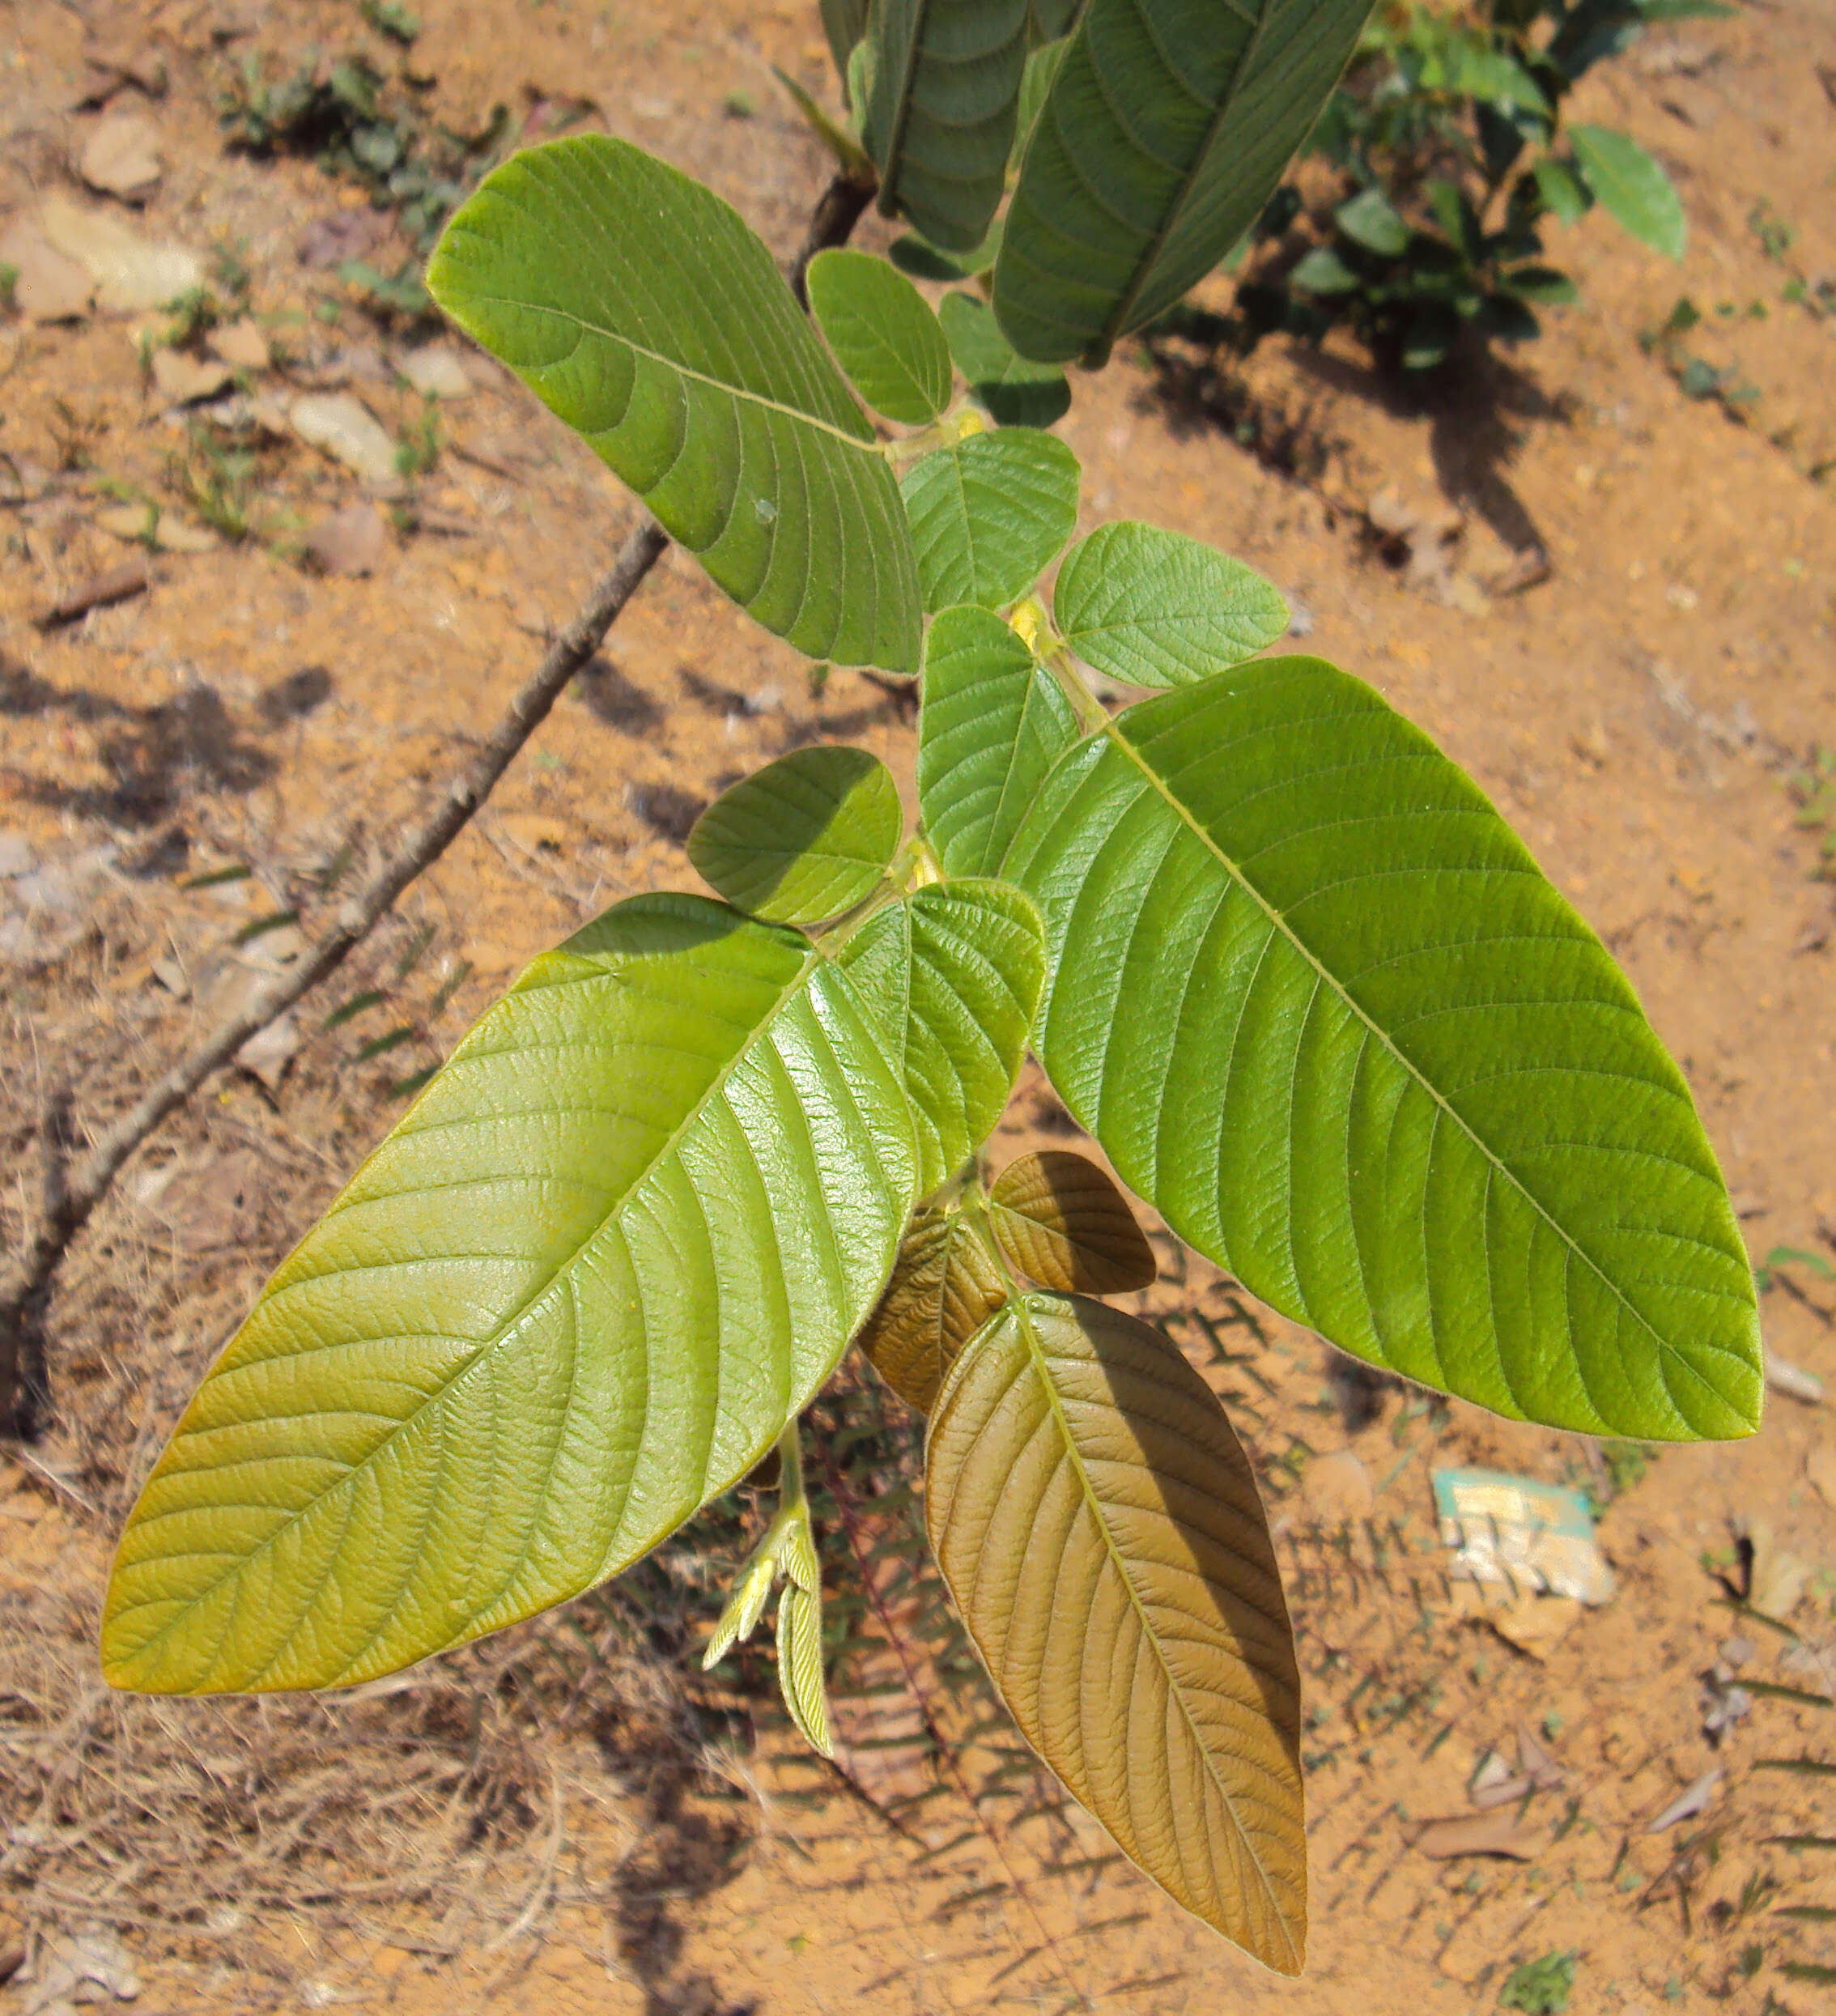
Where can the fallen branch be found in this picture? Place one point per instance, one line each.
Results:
(71, 1195)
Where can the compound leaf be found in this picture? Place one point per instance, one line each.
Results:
(1099, 1529)
(883, 334)
(973, 962)
(1321, 1008)
(941, 111)
(992, 724)
(642, 310)
(1061, 1220)
(807, 837)
(619, 1241)
(1167, 124)
(1016, 392)
(945, 1285)
(1154, 608)
(1633, 188)
(988, 512)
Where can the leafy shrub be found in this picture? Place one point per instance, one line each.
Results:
(1297, 976)
(1453, 157)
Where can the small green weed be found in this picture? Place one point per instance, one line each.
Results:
(1814, 789)
(1539, 1988)
(388, 17)
(216, 482)
(9, 287)
(417, 454)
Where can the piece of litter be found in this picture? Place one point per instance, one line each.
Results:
(1776, 1586)
(436, 372)
(1782, 1376)
(113, 585)
(351, 541)
(268, 1053)
(130, 272)
(340, 425)
(18, 857)
(1511, 1532)
(1724, 1706)
(1692, 1799)
(1535, 1761)
(1495, 1783)
(1498, 1833)
(121, 157)
(1534, 1624)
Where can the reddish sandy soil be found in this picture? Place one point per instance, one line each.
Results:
(1638, 716)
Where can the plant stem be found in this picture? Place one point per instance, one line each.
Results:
(68, 1200)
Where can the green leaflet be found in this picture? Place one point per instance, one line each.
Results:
(644, 311)
(1016, 392)
(988, 512)
(619, 1241)
(844, 22)
(1169, 123)
(806, 838)
(992, 724)
(940, 114)
(883, 334)
(972, 960)
(924, 262)
(1319, 1005)
(1100, 1530)
(1154, 608)
(1633, 188)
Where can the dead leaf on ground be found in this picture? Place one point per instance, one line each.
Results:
(329, 240)
(1693, 1800)
(268, 1053)
(112, 585)
(1499, 1833)
(121, 158)
(208, 1203)
(351, 542)
(49, 286)
(183, 378)
(1778, 1577)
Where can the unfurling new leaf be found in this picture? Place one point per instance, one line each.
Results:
(1100, 1528)
(1060, 1220)
(945, 1285)
(806, 838)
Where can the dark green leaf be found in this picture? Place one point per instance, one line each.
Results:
(1370, 219)
(1319, 1004)
(1565, 195)
(1166, 127)
(1323, 272)
(988, 513)
(940, 117)
(645, 312)
(883, 334)
(992, 724)
(807, 837)
(1016, 392)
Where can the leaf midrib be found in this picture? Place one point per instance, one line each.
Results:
(436, 1397)
(1278, 919)
(867, 446)
(1035, 1351)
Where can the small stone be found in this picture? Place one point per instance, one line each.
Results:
(151, 525)
(131, 273)
(436, 372)
(351, 542)
(268, 1053)
(122, 156)
(240, 345)
(50, 288)
(342, 426)
(185, 380)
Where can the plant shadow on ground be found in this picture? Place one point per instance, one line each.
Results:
(1475, 404)
(154, 755)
